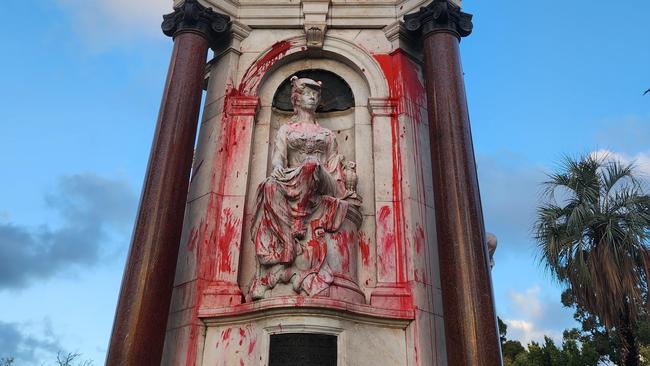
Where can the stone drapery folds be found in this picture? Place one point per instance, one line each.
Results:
(302, 203)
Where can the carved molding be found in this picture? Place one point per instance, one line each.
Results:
(239, 31)
(440, 16)
(382, 107)
(193, 17)
(243, 106)
(315, 22)
(401, 38)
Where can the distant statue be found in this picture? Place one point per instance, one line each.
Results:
(303, 202)
(492, 246)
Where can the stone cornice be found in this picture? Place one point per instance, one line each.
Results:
(440, 16)
(193, 17)
(342, 13)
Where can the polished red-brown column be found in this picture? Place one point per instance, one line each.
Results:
(141, 315)
(471, 331)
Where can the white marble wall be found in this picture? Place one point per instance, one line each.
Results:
(375, 125)
(360, 341)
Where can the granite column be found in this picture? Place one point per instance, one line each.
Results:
(143, 306)
(471, 331)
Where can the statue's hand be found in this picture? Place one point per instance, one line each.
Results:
(278, 172)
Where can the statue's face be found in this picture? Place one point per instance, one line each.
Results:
(309, 99)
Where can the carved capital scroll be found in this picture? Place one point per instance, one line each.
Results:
(193, 17)
(440, 16)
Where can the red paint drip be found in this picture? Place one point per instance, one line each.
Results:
(364, 247)
(191, 242)
(242, 336)
(225, 335)
(228, 235)
(419, 239)
(210, 229)
(383, 213)
(254, 74)
(343, 241)
(386, 242)
(405, 83)
(407, 90)
(251, 346)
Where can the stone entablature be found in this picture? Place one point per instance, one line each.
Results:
(294, 14)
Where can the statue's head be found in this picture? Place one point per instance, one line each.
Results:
(305, 94)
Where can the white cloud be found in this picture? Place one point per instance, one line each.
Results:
(640, 160)
(527, 332)
(109, 22)
(532, 315)
(527, 303)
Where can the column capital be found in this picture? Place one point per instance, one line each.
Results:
(440, 16)
(193, 17)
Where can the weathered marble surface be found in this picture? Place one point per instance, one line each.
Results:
(340, 13)
(245, 341)
(385, 134)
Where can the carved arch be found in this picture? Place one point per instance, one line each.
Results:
(334, 48)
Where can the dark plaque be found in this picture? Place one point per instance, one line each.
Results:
(299, 349)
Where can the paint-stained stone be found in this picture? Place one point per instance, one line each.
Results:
(260, 40)
(373, 41)
(385, 133)
(246, 342)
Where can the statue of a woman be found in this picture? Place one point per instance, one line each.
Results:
(306, 197)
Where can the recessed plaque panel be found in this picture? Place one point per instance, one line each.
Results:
(301, 349)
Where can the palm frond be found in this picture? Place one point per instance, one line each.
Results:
(596, 240)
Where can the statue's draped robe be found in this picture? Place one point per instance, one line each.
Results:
(294, 204)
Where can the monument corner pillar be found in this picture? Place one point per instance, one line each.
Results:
(471, 331)
(143, 305)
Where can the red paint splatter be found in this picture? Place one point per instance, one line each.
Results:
(383, 213)
(225, 334)
(255, 73)
(405, 83)
(226, 239)
(242, 336)
(191, 242)
(343, 241)
(407, 95)
(251, 345)
(419, 239)
(300, 301)
(212, 229)
(387, 256)
(364, 247)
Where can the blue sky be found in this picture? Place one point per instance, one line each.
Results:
(81, 85)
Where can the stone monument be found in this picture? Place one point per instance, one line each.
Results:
(329, 213)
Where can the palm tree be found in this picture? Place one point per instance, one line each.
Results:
(593, 231)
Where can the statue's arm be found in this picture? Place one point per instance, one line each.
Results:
(333, 159)
(333, 150)
(279, 159)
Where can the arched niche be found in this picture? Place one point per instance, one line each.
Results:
(352, 126)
